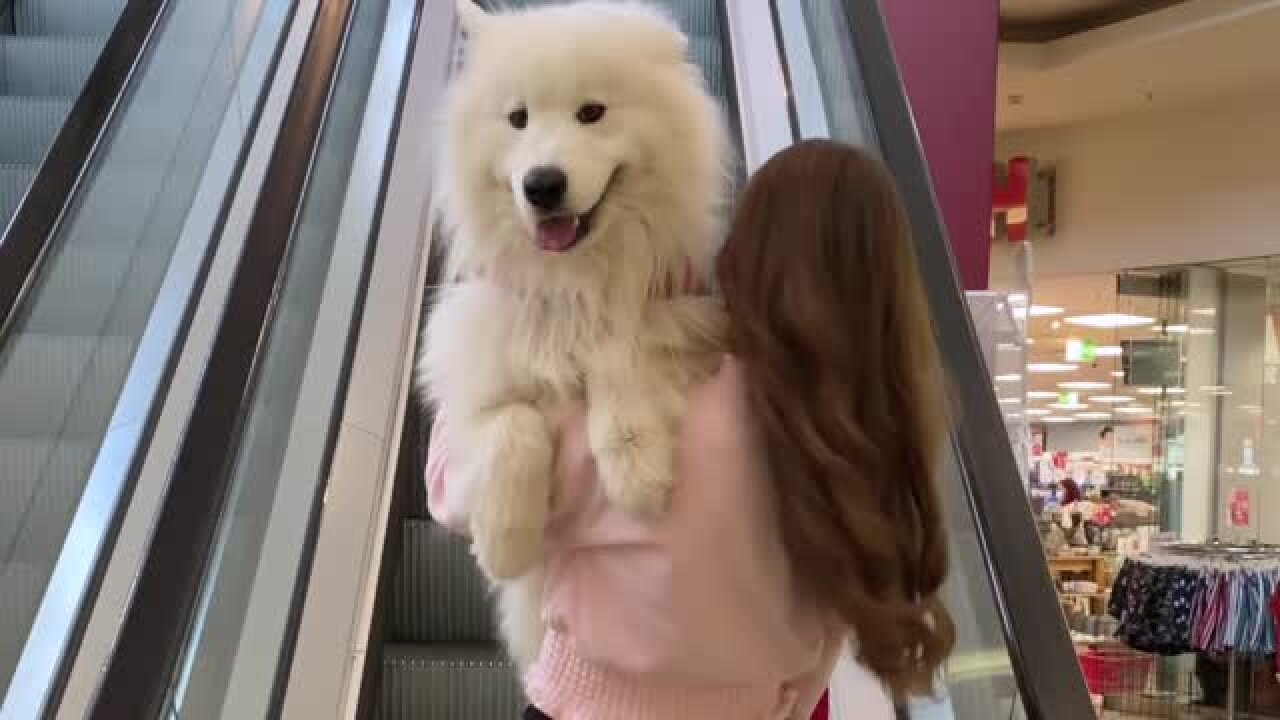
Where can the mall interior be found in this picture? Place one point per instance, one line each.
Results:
(217, 249)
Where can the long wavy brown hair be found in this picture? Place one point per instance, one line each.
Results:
(829, 320)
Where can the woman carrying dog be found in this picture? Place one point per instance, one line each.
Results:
(805, 520)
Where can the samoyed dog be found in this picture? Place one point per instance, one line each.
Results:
(582, 176)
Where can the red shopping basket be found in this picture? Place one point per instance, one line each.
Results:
(1115, 671)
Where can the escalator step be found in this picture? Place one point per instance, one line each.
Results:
(45, 66)
(439, 596)
(83, 18)
(27, 127)
(448, 682)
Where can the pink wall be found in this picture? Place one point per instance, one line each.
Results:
(948, 60)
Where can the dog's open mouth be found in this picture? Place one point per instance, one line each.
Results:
(562, 233)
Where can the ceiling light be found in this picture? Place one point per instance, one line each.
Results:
(1117, 373)
(1179, 329)
(1251, 408)
(1042, 395)
(1162, 391)
(1109, 320)
(1051, 367)
(1012, 416)
(1069, 406)
(1201, 331)
(1178, 403)
(1057, 419)
(1084, 385)
(1111, 399)
(1055, 324)
(1135, 410)
(1008, 346)
(1037, 311)
(1036, 411)
(1216, 389)
(1108, 351)
(1010, 400)
(1207, 311)
(1031, 341)
(1008, 378)
(1093, 415)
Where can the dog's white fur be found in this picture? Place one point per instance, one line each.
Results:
(517, 331)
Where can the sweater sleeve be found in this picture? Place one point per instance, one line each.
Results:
(436, 476)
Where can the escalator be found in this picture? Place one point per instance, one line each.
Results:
(47, 48)
(229, 481)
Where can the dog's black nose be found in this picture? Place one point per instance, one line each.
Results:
(545, 187)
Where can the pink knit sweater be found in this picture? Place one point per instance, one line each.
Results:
(692, 617)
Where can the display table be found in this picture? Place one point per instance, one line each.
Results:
(1093, 568)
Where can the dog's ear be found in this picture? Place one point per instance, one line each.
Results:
(471, 16)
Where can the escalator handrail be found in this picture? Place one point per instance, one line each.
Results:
(1044, 661)
(25, 243)
(137, 679)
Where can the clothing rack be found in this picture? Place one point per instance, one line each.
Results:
(1217, 551)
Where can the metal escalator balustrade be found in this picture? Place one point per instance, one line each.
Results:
(96, 272)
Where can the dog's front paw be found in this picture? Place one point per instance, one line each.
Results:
(637, 472)
(507, 553)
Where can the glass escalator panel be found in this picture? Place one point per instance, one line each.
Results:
(241, 633)
(77, 378)
(1013, 657)
(47, 48)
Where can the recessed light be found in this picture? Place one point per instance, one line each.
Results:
(1012, 416)
(1216, 389)
(1051, 367)
(1055, 324)
(1093, 415)
(1010, 401)
(1117, 373)
(1037, 311)
(1031, 341)
(1111, 399)
(1205, 311)
(1057, 419)
(1251, 408)
(1109, 320)
(1162, 391)
(1069, 406)
(1083, 385)
(1042, 395)
(1109, 351)
(1008, 378)
(1134, 410)
(1179, 329)
(1037, 411)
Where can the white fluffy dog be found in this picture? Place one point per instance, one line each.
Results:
(583, 170)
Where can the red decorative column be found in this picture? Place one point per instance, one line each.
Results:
(948, 59)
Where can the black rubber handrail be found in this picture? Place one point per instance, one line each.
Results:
(1044, 661)
(155, 628)
(25, 244)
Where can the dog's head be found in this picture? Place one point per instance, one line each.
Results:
(579, 133)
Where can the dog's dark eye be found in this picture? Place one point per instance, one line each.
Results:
(518, 118)
(590, 113)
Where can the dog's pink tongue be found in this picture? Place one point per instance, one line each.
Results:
(557, 234)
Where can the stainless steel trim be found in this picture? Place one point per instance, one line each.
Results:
(328, 663)
(161, 336)
(802, 70)
(759, 79)
(257, 660)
